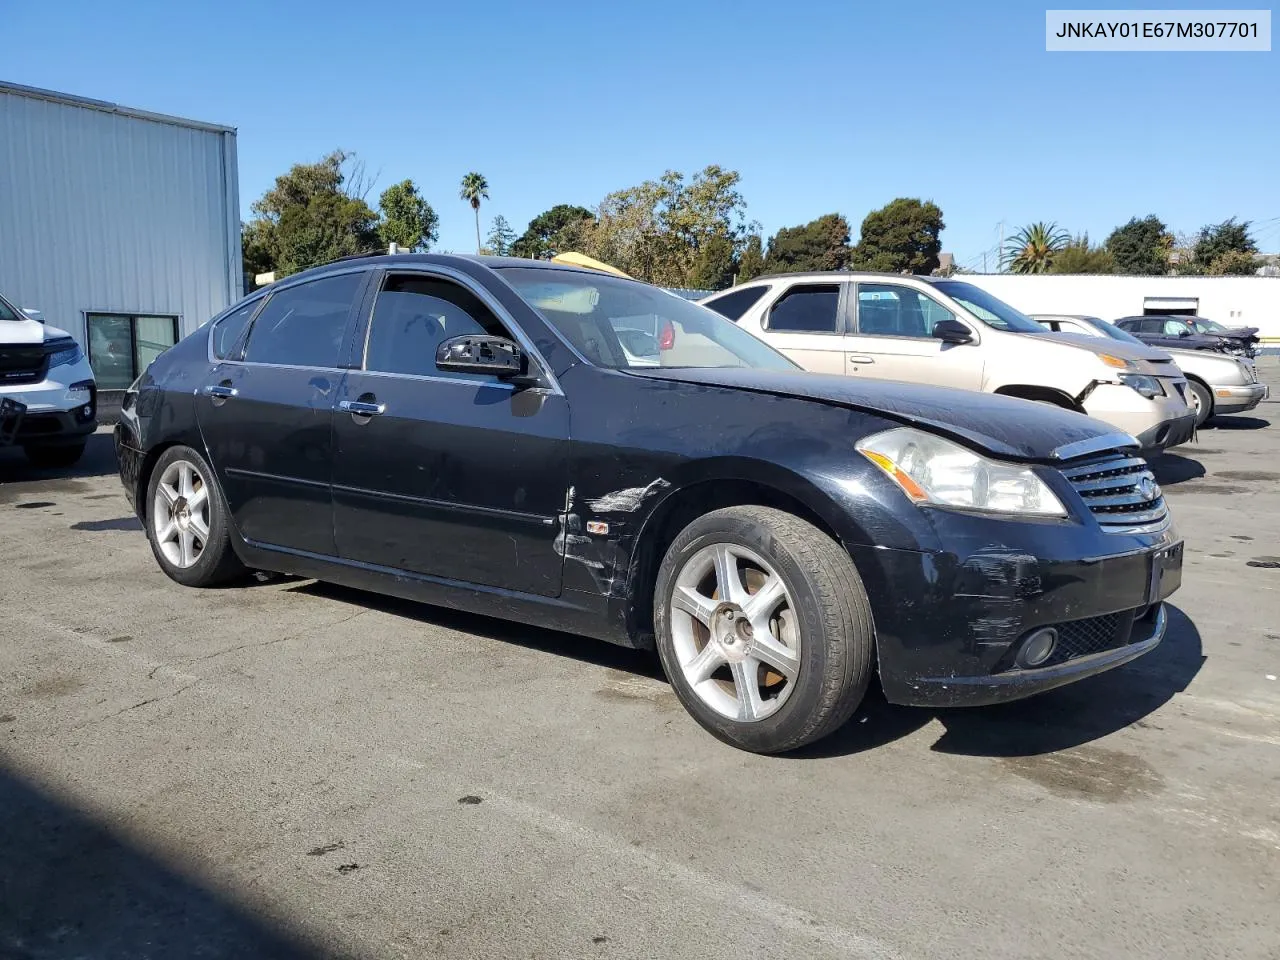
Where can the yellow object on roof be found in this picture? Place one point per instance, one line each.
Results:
(591, 263)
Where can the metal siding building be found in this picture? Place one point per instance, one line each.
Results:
(109, 214)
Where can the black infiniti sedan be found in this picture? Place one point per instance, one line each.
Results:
(474, 433)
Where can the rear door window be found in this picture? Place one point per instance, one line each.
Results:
(305, 325)
(807, 308)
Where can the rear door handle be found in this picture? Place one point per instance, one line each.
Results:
(859, 358)
(362, 409)
(221, 391)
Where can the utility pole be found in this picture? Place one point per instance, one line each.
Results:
(984, 261)
(1000, 249)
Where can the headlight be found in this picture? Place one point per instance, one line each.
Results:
(1147, 386)
(935, 471)
(69, 354)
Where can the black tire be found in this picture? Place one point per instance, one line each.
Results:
(49, 455)
(833, 617)
(1205, 397)
(217, 563)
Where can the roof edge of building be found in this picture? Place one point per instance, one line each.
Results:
(104, 106)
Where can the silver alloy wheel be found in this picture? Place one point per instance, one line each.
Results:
(733, 626)
(180, 513)
(1196, 403)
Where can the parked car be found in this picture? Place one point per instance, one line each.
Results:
(951, 333)
(1181, 333)
(48, 398)
(1246, 337)
(777, 534)
(1218, 384)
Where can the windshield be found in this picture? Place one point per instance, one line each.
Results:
(1112, 331)
(992, 311)
(624, 324)
(7, 312)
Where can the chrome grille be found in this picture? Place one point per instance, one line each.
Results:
(1121, 493)
(1251, 371)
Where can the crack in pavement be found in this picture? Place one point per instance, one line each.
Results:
(268, 643)
(135, 706)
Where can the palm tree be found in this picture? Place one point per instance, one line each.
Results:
(474, 189)
(1032, 249)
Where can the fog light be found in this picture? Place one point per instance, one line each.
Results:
(1038, 647)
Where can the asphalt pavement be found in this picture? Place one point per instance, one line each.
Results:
(290, 769)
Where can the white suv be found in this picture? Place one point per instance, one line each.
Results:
(48, 399)
(951, 333)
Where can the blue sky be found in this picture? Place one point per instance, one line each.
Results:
(821, 106)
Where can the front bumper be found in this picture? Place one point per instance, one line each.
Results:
(950, 625)
(1157, 422)
(55, 413)
(1237, 399)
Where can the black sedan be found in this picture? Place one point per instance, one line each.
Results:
(1188, 333)
(473, 433)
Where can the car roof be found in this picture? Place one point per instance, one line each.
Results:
(439, 259)
(831, 275)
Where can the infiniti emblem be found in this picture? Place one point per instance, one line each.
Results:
(1148, 488)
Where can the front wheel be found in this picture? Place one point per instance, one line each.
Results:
(62, 455)
(1201, 402)
(188, 522)
(764, 628)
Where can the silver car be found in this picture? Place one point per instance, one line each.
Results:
(1219, 384)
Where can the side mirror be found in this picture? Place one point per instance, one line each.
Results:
(33, 314)
(481, 353)
(1184, 332)
(952, 331)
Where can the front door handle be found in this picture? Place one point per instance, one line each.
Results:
(859, 358)
(220, 391)
(361, 408)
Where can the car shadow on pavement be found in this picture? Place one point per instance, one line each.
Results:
(70, 887)
(1066, 717)
(1170, 468)
(1060, 719)
(585, 649)
(1236, 423)
(99, 460)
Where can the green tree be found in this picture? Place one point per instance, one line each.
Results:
(1141, 246)
(1077, 256)
(657, 231)
(1225, 248)
(821, 244)
(407, 219)
(1233, 263)
(751, 263)
(255, 248)
(1033, 248)
(308, 218)
(501, 236)
(542, 238)
(474, 189)
(902, 236)
(713, 264)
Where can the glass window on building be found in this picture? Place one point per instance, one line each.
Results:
(121, 346)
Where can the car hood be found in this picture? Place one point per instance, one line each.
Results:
(1000, 426)
(1114, 348)
(26, 332)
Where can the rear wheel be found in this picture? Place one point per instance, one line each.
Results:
(187, 521)
(48, 455)
(763, 627)
(1201, 401)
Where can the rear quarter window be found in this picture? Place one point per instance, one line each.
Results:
(734, 305)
